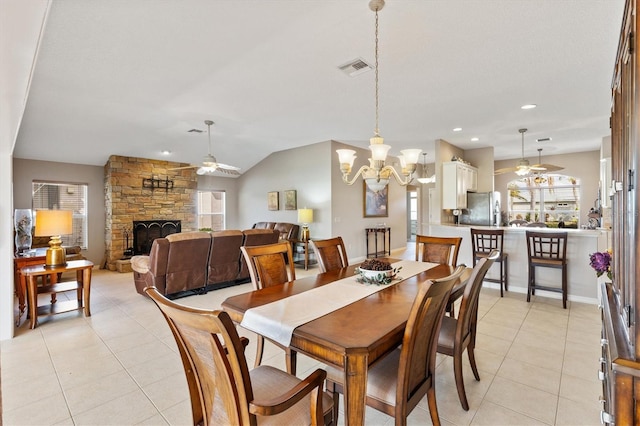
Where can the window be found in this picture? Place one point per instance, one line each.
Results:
(64, 196)
(550, 198)
(211, 210)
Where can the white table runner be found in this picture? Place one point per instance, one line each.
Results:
(277, 320)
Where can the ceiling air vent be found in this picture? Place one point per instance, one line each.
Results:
(194, 131)
(355, 67)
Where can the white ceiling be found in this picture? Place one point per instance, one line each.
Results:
(131, 77)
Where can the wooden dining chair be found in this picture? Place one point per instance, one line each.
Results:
(268, 266)
(221, 387)
(458, 334)
(483, 242)
(330, 253)
(441, 250)
(397, 382)
(547, 250)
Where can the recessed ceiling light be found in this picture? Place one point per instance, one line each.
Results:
(166, 152)
(457, 129)
(543, 140)
(528, 106)
(475, 139)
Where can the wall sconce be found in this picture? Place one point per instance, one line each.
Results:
(153, 183)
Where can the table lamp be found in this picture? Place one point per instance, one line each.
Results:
(53, 223)
(305, 216)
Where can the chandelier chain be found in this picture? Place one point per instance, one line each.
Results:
(376, 130)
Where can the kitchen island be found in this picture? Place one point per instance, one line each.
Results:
(582, 281)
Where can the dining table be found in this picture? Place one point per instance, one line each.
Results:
(352, 337)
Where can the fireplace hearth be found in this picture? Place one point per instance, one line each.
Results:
(145, 231)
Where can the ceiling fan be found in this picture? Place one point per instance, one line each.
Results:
(209, 163)
(523, 167)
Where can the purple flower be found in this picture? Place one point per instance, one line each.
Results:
(601, 263)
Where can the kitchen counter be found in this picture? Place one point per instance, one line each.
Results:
(583, 283)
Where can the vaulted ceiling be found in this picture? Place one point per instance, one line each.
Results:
(133, 77)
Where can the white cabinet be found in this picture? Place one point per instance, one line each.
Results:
(457, 179)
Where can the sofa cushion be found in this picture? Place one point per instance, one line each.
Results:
(224, 257)
(288, 231)
(263, 225)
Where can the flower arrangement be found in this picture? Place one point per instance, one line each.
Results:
(601, 262)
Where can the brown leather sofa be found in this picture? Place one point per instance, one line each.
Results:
(197, 261)
(288, 231)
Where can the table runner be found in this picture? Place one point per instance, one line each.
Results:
(277, 320)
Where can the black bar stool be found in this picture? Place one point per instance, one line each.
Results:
(483, 242)
(549, 250)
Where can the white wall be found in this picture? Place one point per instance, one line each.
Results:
(26, 171)
(21, 23)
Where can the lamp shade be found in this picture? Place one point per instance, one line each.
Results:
(305, 215)
(53, 222)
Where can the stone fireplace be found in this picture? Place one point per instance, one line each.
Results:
(129, 198)
(145, 231)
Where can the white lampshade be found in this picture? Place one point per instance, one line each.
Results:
(346, 156)
(379, 151)
(305, 215)
(53, 222)
(376, 185)
(411, 155)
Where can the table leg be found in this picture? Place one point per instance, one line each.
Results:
(33, 301)
(306, 255)
(291, 360)
(355, 387)
(86, 290)
(22, 292)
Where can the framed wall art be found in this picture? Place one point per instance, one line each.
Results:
(375, 204)
(290, 200)
(273, 200)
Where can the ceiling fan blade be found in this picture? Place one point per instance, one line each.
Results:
(228, 167)
(229, 171)
(547, 167)
(183, 168)
(505, 170)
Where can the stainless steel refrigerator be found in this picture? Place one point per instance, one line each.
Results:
(482, 209)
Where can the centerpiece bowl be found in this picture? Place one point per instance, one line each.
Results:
(376, 271)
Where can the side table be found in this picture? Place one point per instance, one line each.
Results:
(82, 285)
(306, 251)
(386, 241)
(20, 281)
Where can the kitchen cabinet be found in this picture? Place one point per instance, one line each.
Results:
(620, 361)
(457, 179)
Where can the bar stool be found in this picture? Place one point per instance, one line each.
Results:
(549, 250)
(483, 242)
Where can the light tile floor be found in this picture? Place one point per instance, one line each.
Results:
(538, 364)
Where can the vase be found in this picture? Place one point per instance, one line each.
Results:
(23, 223)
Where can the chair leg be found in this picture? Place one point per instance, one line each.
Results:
(332, 388)
(501, 281)
(259, 350)
(506, 274)
(457, 372)
(472, 360)
(529, 284)
(433, 407)
(564, 287)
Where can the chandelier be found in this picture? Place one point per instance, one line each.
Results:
(377, 174)
(425, 178)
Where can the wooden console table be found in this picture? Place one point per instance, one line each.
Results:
(20, 281)
(386, 241)
(82, 285)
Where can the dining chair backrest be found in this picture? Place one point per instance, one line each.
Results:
(547, 246)
(420, 341)
(268, 264)
(441, 250)
(330, 253)
(220, 385)
(468, 314)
